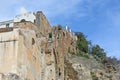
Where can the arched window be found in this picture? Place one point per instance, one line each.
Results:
(23, 20)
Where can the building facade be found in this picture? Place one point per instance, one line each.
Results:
(19, 18)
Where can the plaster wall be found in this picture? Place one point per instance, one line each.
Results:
(26, 16)
(8, 51)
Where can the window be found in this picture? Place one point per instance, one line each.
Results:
(23, 20)
(7, 25)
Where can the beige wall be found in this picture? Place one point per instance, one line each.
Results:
(8, 51)
(19, 54)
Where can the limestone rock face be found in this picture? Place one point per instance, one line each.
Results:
(42, 23)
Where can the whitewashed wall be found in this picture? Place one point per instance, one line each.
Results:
(27, 16)
(4, 25)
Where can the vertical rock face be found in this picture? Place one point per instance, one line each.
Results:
(28, 61)
(61, 44)
(42, 23)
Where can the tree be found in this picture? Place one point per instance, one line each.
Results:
(98, 52)
(82, 43)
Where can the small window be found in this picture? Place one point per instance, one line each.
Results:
(7, 25)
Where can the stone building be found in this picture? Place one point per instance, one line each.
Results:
(19, 18)
(30, 16)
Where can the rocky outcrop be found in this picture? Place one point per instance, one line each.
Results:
(90, 69)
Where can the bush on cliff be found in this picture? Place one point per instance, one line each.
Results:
(82, 43)
(98, 53)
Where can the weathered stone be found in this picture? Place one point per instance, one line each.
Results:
(42, 23)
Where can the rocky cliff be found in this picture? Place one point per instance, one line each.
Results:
(37, 51)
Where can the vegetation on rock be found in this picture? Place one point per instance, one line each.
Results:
(85, 48)
(82, 43)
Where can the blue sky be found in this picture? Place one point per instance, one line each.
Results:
(98, 19)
